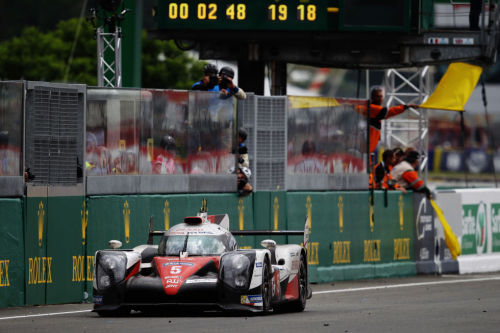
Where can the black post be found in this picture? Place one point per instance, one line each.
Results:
(491, 138)
(278, 78)
(462, 139)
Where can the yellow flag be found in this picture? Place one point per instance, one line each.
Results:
(306, 102)
(455, 87)
(449, 237)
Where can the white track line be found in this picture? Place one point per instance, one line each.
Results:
(44, 314)
(417, 284)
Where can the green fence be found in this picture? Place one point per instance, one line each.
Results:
(51, 259)
(11, 253)
(54, 249)
(345, 243)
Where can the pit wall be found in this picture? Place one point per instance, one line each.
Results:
(51, 242)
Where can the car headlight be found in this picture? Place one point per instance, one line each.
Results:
(240, 281)
(111, 268)
(240, 263)
(237, 269)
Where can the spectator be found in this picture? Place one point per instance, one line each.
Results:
(165, 162)
(210, 80)
(405, 174)
(244, 187)
(227, 86)
(382, 171)
(398, 155)
(243, 160)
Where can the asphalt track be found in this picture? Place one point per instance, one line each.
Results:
(450, 303)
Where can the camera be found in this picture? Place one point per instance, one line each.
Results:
(224, 82)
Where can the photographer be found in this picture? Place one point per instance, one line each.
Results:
(210, 80)
(227, 86)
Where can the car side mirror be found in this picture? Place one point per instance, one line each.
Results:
(268, 244)
(115, 244)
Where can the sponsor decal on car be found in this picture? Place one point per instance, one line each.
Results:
(97, 299)
(201, 281)
(178, 263)
(251, 299)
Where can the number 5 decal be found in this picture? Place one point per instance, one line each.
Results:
(175, 270)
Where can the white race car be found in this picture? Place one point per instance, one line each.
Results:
(198, 264)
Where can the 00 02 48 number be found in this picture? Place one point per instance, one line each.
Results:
(209, 11)
(206, 11)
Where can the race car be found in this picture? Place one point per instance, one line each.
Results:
(198, 264)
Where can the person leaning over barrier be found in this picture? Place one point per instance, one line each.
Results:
(244, 187)
(382, 173)
(405, 174)
(227, 86)
(243, 160)
(209, 81)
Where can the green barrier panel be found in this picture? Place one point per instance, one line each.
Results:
(345, 244)
(338, 226)
(11, 253)
(66, 261)
(37, 265)
(319, 208)
(395, 229)
(270, 214)
(124, 218)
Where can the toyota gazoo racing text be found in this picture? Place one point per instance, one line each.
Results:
(198, 264)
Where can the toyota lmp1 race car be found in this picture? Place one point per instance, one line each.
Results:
(198, 264)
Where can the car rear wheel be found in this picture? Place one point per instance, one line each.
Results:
(266, 287)
(299, 304)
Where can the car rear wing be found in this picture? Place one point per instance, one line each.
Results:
(304, 232)
(217, 219)
(152, 232)
(267, 232)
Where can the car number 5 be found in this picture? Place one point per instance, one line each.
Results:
(175, 270)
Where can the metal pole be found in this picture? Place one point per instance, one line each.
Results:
(118, 57)
(100, 57)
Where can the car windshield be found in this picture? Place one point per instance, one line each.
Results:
(201, 245)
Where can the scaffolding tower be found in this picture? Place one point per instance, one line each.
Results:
(405, 86)
(109, 58)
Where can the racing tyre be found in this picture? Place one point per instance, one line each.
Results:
(266, 287)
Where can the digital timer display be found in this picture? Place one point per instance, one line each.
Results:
(243, 14)
(283, 15)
